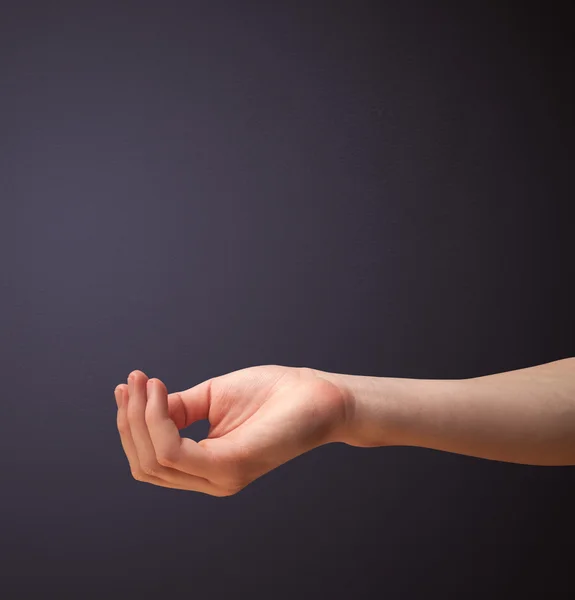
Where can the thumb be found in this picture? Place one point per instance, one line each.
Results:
(191, 405)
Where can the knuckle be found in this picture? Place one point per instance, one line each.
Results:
(163, 461)
(122, 424)
(228, 491)
(150, 469)
(138, 475)
(123, 427)
(307, 371)
(166, 460)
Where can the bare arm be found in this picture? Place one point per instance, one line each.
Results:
(524, 416)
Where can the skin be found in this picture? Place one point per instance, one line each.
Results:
(261, 417)
(525, 416)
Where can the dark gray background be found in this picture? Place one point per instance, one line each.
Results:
(190, 188)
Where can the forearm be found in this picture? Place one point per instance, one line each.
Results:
(523, 416)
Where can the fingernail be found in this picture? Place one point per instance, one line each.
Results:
(118, 393)
(150, 385)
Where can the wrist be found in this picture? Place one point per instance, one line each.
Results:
(388, 411)
(355, 393)
(371, 409)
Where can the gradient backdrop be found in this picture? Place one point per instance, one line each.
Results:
(191, 188)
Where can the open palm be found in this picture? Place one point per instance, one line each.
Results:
(260, 417)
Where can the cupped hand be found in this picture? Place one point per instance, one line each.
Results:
(260, 417)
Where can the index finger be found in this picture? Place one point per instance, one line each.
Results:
(172, 450)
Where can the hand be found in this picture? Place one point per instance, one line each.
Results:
(260, 417)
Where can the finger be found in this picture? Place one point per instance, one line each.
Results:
(128, 443)
(144, 447)
(124, 430)
(171, 450)
(177, 410)
(191, 405)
